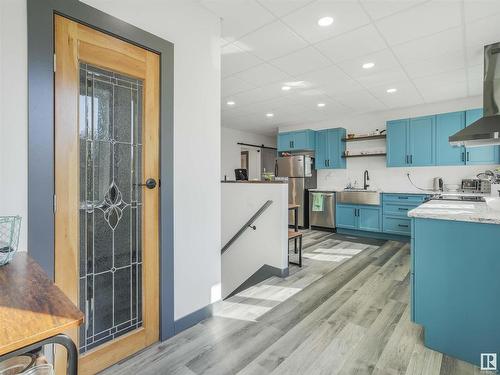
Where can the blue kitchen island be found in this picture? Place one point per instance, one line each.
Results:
(455, 277)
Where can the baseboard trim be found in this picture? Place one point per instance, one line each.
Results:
(378, 235)
(263, 273)
(192, 319)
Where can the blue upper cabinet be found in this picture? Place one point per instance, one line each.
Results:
(321, 154)
(296, 141)
(479, 155)
(421, 141)
(397, 143)
(448, 124)
(330, 148)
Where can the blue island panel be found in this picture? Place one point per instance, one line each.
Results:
(456, 286)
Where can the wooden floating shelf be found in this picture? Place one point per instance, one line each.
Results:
(367, 138)
(360, 155)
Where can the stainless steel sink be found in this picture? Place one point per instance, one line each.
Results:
(359, 196)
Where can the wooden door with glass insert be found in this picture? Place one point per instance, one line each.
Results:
(106, 217)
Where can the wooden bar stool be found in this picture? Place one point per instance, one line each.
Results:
(295, 235)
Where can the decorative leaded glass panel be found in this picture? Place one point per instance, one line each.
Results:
(110, 116)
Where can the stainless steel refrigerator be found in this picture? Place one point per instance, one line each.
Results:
(301, 176)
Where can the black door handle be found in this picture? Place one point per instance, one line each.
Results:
(150, 183)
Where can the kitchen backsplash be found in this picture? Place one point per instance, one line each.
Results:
(393, 179)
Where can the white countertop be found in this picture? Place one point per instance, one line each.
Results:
(477, 212)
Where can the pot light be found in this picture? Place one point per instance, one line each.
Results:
(391, 91)
(230, 103)
(368, 65)
(286, 88)
(269, 115)
(321, 105)
(325, 21)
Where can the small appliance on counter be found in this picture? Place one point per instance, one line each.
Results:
(438, 184)
(475, 185)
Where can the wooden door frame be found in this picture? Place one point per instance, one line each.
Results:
(41, 133)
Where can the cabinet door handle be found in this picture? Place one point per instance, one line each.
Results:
(328, 162)
(403, 209)
(467, 155)
(411, 159)
(406, 159)
(402, 197)
(403, 225)
(463, 156)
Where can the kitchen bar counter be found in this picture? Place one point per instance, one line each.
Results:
(468, 211)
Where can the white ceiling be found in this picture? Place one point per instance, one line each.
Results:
(429, 50)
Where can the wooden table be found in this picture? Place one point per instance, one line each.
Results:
(34, 312)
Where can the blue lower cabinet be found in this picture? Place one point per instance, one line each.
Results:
(456, 281)
(359, 217)
(397, 225)
(369, 219)
(395, 209)
(346, 216)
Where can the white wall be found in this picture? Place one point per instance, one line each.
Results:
(230, 150)
(391, 178)
(13, 113)
(266, 245)
(196, 35)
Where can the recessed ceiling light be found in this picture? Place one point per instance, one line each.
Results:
(321, 105)
(391, 91)
(325, 21)
(269, 114)
(286, 88)
(230, 103)
(368, 65)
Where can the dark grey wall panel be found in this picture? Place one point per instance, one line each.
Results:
(41, 134)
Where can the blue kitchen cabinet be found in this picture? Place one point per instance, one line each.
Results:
(359, 217)
(330, 148)
(296, 141)
(284, 141)
(346, 216)
(321, 152)
(448, 124)
(421, 141)
(397, 143)
(369, 218)
(455, 284)
(395, 209)
(479, 155)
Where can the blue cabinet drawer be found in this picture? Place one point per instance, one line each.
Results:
(414, 199)
(397, 225)
(398, 209)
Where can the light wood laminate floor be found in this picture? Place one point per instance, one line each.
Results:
(344, 312)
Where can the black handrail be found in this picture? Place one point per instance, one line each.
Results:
(247, 225)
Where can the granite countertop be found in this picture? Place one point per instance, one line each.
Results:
(477, 212)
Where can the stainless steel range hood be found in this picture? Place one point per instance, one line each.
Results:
(486, 130)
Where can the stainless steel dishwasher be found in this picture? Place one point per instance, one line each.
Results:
(326, 217)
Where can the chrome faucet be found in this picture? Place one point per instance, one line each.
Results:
(366, 178)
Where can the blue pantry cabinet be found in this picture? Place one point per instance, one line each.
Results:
(297, 140)
(359, 217)
(329, 149)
